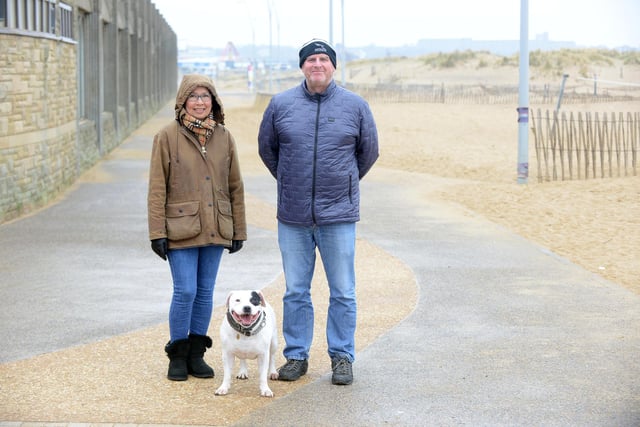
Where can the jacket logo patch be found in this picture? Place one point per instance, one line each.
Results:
(331, 119)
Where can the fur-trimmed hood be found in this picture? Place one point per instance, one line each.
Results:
(188, 84)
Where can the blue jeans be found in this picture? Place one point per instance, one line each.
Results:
(194, 272)
(336, 244)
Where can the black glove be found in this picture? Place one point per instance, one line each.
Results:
(160, 247)
(236, 245)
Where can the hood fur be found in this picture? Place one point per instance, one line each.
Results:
(188, 84)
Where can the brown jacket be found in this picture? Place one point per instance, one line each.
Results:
(195, 199)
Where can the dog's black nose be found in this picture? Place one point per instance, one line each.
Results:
(246, 309)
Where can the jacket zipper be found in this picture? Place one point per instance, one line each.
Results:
(315, 156)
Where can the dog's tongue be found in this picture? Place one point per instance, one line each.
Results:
(246, 319)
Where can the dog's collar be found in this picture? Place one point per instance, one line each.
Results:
(250, 330)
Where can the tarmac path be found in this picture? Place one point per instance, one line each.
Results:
(489, 329)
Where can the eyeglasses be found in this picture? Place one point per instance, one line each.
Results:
(204, 97)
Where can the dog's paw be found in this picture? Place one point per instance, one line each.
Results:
(266, 392)
(242, 375)
(222, 390)
(274, 375)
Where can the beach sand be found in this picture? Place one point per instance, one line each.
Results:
(468, 156)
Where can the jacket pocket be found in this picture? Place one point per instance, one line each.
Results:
(225, 219)
(183, 220)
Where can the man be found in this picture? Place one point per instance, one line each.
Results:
(318, 140)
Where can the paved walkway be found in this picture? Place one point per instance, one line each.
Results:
(504, 333)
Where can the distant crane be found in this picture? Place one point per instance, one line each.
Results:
(230, 55)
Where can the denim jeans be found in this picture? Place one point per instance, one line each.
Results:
(336, 244)
(194, 272)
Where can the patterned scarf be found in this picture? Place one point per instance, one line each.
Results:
(201, 128)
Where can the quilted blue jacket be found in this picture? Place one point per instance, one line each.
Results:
(318, 147)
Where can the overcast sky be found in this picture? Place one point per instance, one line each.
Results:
(213, 23)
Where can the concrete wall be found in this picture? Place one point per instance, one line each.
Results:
(65, 102)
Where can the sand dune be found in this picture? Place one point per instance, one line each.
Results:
(472, 151)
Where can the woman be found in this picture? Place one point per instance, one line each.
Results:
(196, 209)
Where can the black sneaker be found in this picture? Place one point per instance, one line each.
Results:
(292, 370)
(342, 373)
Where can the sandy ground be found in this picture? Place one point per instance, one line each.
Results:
(468, 155)
(123, 379)
(107, 382)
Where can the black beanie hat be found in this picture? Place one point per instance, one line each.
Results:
(314, 47)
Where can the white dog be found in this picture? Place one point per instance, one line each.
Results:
(248, 332)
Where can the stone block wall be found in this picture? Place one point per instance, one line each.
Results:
(37, 122)
(67, 100)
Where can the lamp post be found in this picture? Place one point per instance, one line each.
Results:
(270, 49)
(523, 96)
(252, 62)
(272, 10)
(331, 22)
(343, 50)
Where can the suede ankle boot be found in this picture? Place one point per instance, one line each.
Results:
(177, 352)
(196, 365)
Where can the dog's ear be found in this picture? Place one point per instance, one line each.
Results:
(229, 298)
(257, 298)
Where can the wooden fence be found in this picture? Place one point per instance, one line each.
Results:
(582, 146)
(486, 94)
(539, 94)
